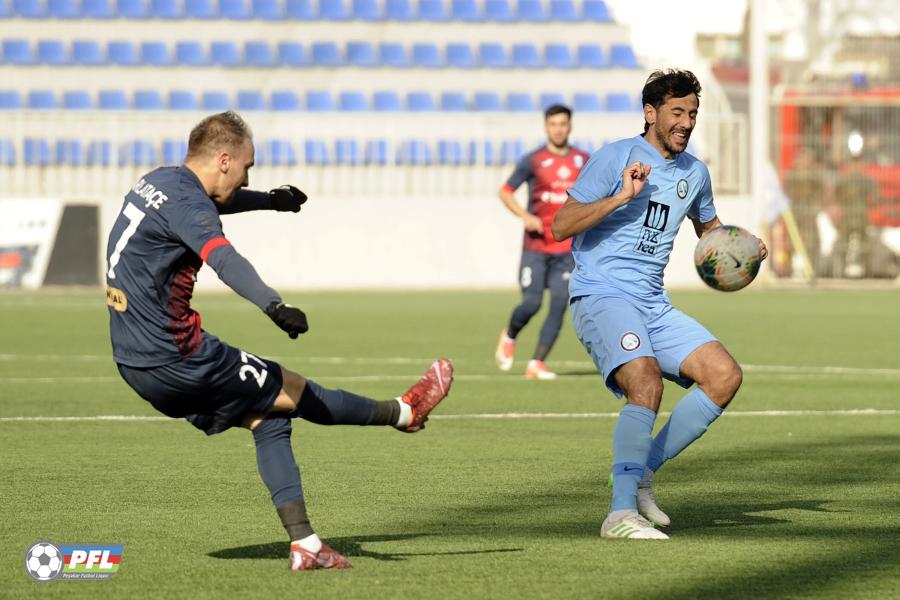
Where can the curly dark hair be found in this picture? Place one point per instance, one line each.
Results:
(668, 83)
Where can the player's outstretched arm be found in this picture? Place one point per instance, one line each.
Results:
(286, 198)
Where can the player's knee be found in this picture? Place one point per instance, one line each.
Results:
(530, 305)
(723, 381)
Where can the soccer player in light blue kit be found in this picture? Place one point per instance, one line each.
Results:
(624, 212)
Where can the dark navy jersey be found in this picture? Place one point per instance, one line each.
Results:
(167, 228)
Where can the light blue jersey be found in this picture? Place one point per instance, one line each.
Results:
(627, 251)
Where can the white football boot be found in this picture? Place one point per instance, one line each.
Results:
(631, 526)
(646, 501)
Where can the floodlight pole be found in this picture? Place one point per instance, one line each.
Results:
(759, 109)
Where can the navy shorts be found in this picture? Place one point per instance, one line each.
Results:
(546, 271)
(213, 388)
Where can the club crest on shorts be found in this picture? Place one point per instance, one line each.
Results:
(682, 188)
(630, 341)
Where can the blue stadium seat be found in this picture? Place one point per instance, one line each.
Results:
(122, 53)
(147, 100)
(132, 9)
(17, 52)
(284, 101)
(69, 152)
(367, 10)
(498, 11)
(333, 10)
(173, 152)
(419, 102)
(622, 55)
(511, 151)
(37, 152)
(234, 10)
(77, 100)
(267, 10)
(97, 9)
(315, 152)
(376, 152)
(299, 10)
(432, 10)
(291, 54)
(7, 152)
(52, 52)
(460, 56)
(346, 152)
(250, 100)
(386, 101)
(182, 100)
(558, 56)
(99, 153)
(279, 153)
(550, 98)
(619, 102)
(41, 100)
(596, 11)
(454, 102)
(450, 153)
(137, 153)
(426, 55)
(487, 102)
(360, 54)
(224, 54)
(525, 56)
(190, 53)
(258, 54)
(319, 101)
(155, 54)
(392, 55)
(399, 10)
(590, 56)
(326, 54)
(112, 100)
(492, 55)
(531, 11)
(482, 152)
(10, 100)
(87, 52)
(563, 10)
(587, 102)
(63, 9)
(352, 102)
(215, 101)
(199, 9)
(165, 9)
(467, 11)
(414, 152)
(29, 9)
(518, 102)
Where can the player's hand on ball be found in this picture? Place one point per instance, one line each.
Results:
(763, 251)
(287, 198)
(634, 178)
(288, 318)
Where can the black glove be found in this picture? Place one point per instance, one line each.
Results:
(289, 318)
(287, 198)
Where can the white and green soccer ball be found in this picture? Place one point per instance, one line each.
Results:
(727, 258)
(43, 561)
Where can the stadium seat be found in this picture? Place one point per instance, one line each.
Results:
(215, 101)
(319, 101)
(97, 9)
(376, 152)
(199, 9)
(291, 54)
(234, 10)
(367, 10)
(17, 52)
(258, 54)
(550, 98)
(132, 9)
(88, 53)
(190, 53)
(279, 153)
(182, 100)
(460, 56)
(68, 152)
(122, 53)
(360, 54)
(250, 100)
(487, 102)
(587, 102)
(112, 100)
(10, 100)
(29, 9)
(454, 102)
(492, 55)
(518, 102)
(165, 9)
(386, 101)
(498, 11)
(7, 152)
(173, 152)
(155, 54)
(77, 100)
(41, 100)
(558, 56)
(346, 152)
(37, 152)
(432, 10)
(224, 54)
(392, 55)
(266, 10)
(414, 152)
(466, 11)
(563, 10)
(99, 153)
(147, 100)
(352, 102)
(531, 11)
(419, 102)
(399, 10)
(52, 52)
(525, 56)
(299, 10)
(590, 56)
(333, 11)
(596, 11)
(326, 54)
(63, 9)
(619, 102)
(315, 152)
(511, 151)
(137, 153)
(622, 55)
(284, 101)
(426, 55)
(450, 153)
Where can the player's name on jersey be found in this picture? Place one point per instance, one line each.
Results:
(116, 298)
(148, 192)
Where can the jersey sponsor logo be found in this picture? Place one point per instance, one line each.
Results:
(546, 162)
(654, 224)
(148, 192)
(554, 197)
(682, 188)
(630, 342)
(564, 172)
(116, 298)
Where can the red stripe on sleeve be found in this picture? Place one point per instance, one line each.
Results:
(508, 188)
(211, 245)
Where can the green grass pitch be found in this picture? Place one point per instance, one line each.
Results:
(764, 506)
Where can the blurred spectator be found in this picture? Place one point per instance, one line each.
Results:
(855, 191)
(805, 185)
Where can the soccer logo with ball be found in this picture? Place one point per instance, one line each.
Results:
(43, 561)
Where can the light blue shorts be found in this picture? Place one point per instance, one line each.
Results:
(615, 331)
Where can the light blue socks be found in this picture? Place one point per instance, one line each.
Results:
(690, 419)
(631, 446)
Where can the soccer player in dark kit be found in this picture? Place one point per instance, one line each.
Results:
(168, 227)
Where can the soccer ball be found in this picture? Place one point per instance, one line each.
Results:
(727, 258)
(43, 561)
